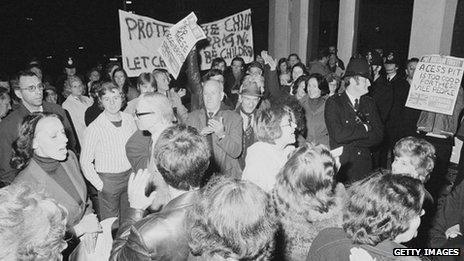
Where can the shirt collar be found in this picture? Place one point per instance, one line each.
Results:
(352, 98)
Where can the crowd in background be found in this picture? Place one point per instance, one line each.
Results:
(277, 159)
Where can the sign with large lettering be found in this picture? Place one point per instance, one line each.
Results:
(178, 42)
(228, 38)
(436, 83)
(141, 38)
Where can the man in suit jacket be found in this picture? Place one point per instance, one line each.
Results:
(353, 122)
(30, 92)
(222, 128)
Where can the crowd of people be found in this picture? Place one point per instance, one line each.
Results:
(271, 160)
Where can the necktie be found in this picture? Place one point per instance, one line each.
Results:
(356, 104)
(210, 115)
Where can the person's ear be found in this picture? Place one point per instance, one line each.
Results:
(18, 93)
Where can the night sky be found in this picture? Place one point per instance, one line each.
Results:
(56, 28)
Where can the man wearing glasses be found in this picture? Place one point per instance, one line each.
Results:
(30, 92)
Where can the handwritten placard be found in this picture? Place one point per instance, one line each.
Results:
(436, 83)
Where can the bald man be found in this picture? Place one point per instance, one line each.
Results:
(222, 128)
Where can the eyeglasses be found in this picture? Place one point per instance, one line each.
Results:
(33, 88)
(140, 114)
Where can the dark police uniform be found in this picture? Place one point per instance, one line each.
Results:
(346, 128)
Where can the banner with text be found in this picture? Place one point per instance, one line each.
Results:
(228, 37)
(141, 37)
(178, 42)
(436, 83)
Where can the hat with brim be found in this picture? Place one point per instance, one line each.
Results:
(358, 67)
(251, 89)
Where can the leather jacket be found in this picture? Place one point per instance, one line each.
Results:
(159, 236)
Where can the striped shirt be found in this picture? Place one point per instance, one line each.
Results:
(104, 147)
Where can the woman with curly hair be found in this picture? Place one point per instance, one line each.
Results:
(232, 220)
(45, 163)
(381, 212)
(275, 131)
(307, 198)
(32, 226)
(76, 104)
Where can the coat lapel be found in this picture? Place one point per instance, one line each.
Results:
(69, 169)
(53, 188)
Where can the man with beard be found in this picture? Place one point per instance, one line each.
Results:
(353, 122)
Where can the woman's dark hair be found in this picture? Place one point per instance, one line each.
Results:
(381, 206)
(281, 61)
(232, 219)
(322, 83)
(3, 93)
(303, 78)
(302, 66)
(95, 88)
(217, 61)
(211, 73)
(22, 146)
(109, 67)
(127, 84)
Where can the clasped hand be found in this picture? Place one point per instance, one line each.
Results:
(214, 126)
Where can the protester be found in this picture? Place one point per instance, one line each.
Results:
(93, 111)
(32, 225)
(353, 123)
(76, 104)
(103, 158)
(145, 84)
(439, 129)
(307, 198)
(46, 165)
(274, 129)
(222, 129)
(120, 79)
(334, 84)
(233, 79)
(92, 76)
(447, 229)
(333, 50)
(162, 84)
(333, 65)
(30, 92)
(5, 103)
(320, 65)
(69, 70)
(232, 220)
(50, 94)
(381, 212)
(219, 63)
(182, 157)
(383, 97)
(282, 66)
(314, 107)
(110, 67)
(298, 70)
(251, 92)
(293, 59)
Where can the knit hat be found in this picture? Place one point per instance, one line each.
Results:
(358, 66)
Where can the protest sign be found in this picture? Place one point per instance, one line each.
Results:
(436, 83)
(178, 42)
(228, 38)
(140, 38)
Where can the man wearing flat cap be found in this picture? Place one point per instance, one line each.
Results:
(353, 123)
(251, 92)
